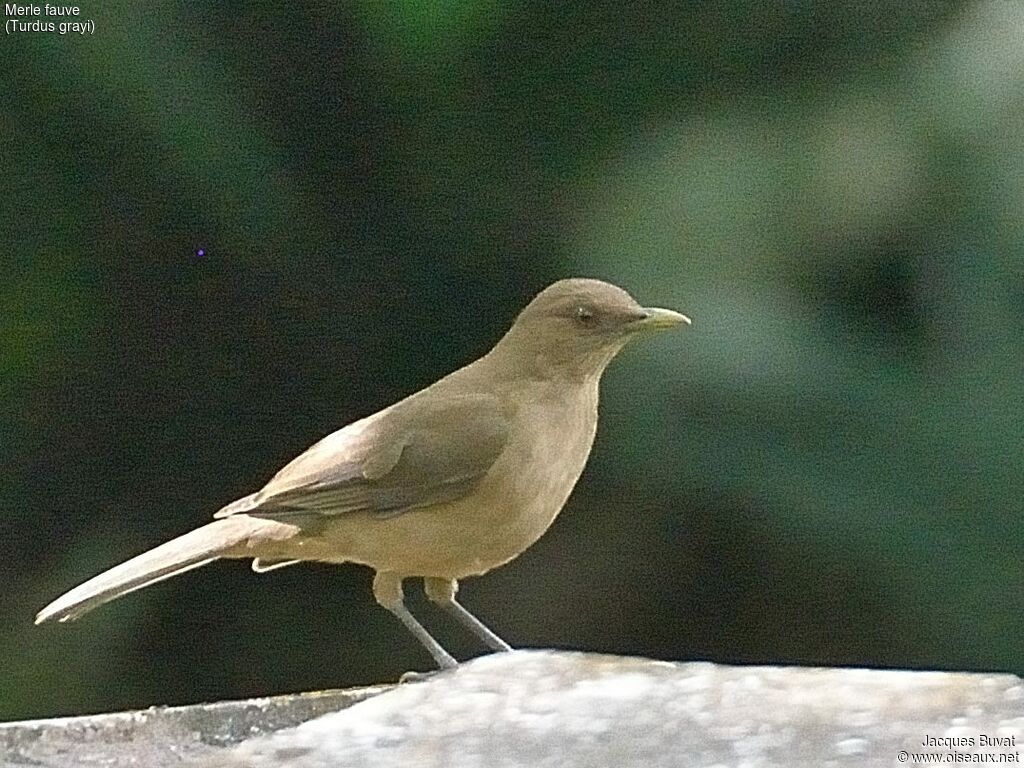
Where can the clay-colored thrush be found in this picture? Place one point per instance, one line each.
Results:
(450, 482)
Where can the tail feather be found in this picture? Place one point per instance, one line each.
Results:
(191, 550)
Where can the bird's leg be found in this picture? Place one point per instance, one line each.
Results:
(387, 590)
(442, 592)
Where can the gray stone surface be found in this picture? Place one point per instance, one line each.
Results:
(160, 736)
(547, 708)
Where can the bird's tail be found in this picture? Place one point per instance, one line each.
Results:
(191, 550)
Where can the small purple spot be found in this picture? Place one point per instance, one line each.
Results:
(200, 252)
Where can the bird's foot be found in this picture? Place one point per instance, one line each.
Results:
(417, 677)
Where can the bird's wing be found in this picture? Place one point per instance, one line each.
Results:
(405, 457)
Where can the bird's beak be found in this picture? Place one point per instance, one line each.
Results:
(658, 319)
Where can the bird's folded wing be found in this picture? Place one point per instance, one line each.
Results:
(416, 454)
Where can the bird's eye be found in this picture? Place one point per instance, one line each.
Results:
(584, 315)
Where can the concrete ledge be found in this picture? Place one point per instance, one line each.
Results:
(547, 708)
(159, 736)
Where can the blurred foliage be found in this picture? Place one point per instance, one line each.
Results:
(824, 469)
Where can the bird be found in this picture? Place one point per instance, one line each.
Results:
(446, 484)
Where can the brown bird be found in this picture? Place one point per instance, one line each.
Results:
(450, 482)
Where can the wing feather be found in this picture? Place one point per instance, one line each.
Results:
(405, 457)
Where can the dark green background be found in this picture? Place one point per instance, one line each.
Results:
(824, 469)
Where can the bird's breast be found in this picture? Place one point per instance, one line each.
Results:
(530, 483)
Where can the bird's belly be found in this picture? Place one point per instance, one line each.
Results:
(453, 540)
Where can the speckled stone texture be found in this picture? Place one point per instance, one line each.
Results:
(570, 710)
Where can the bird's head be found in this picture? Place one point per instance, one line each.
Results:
(575, 327)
